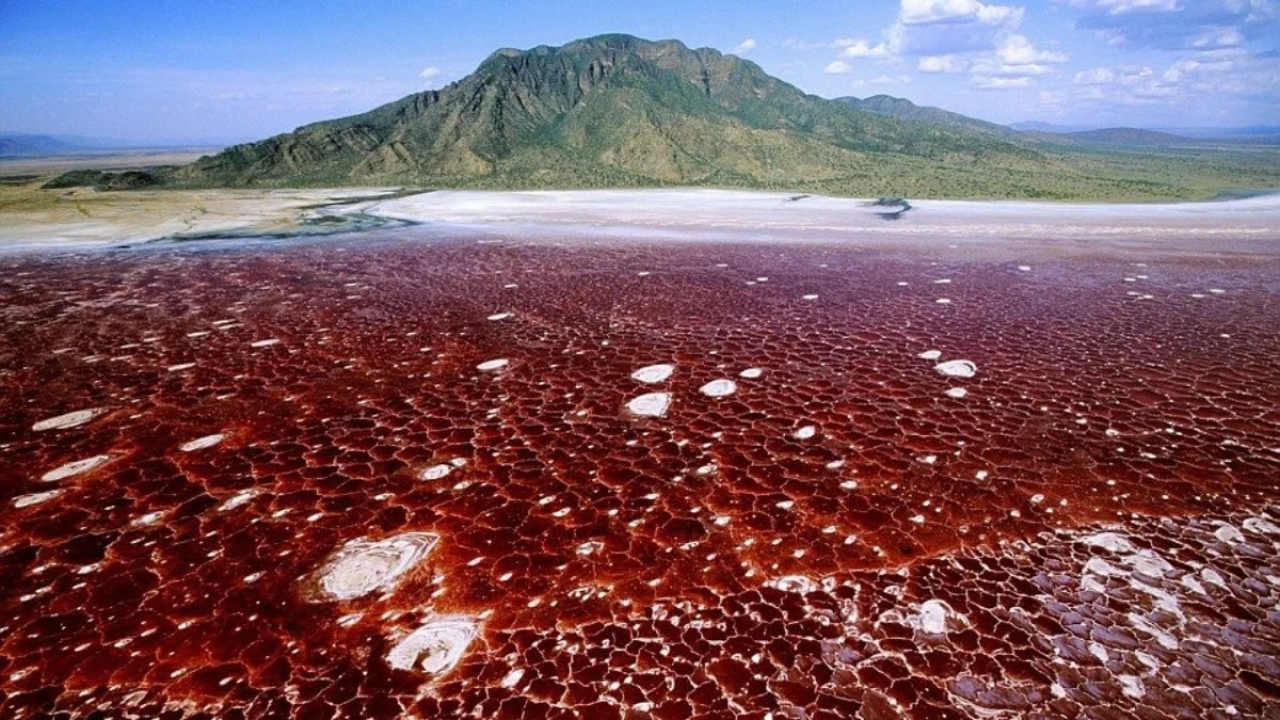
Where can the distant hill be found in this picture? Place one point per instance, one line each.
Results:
(23, 145)
(1131, 136)
(904, 109)
(619, 111)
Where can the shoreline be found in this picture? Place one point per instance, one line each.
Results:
(82, 219)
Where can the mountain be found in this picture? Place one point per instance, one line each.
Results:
(904, 109)
(612, 110)
(619, 111)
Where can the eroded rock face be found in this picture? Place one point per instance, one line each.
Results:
(362, 567)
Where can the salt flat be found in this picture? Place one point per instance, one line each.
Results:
(770, 216)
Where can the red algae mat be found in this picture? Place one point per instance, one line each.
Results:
(379, 479)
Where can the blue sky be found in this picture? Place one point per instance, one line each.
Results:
(169, 70)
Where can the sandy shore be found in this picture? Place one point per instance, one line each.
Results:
(50, 219)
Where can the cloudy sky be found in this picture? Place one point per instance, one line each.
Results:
(170, 70)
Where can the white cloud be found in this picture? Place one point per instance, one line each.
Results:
(745, 46)
(1017, 51)
(838, 67)
(429, 73)
(928, 12)
(861, 49)
(941, 64)
(1096, 76)
(982, 82)
(1121, 7)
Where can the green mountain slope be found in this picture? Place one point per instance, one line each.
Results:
(904, 109)
(618, 111)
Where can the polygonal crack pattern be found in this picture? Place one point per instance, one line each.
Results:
(371, 477)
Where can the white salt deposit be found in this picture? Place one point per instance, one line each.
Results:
(957, 392)
(436, 472)
(1261, 526)
(363, 566)
(237, 500)
(500, 316)
(809, 297)
(181, 366)
(751, 373)
(512, 678)
(930, 355)
(71, 419)
(264, 343)
(35, 498)
(957, 368)
(1228, 534)
(202, 443)
(1024, 268)
(793, 583)
(935, 617)
(436, 647)
(943, 301)
(653, 373)
(1110, 541)
(718, 388)
(74, 468)
(495, 364)
(650, 404)
(806, 432)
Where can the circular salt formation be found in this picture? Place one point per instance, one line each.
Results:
(751, 373)
(362, 566)
(930, 355)
(934, 615)
(653, 373)
(71, 419)
(650, 404)
(805, 432)
(957, 392)
(957, 368)
(436, 472)
(495, 364)
(435, 647)
(74, 468)
(718, 388)
(202, 443)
